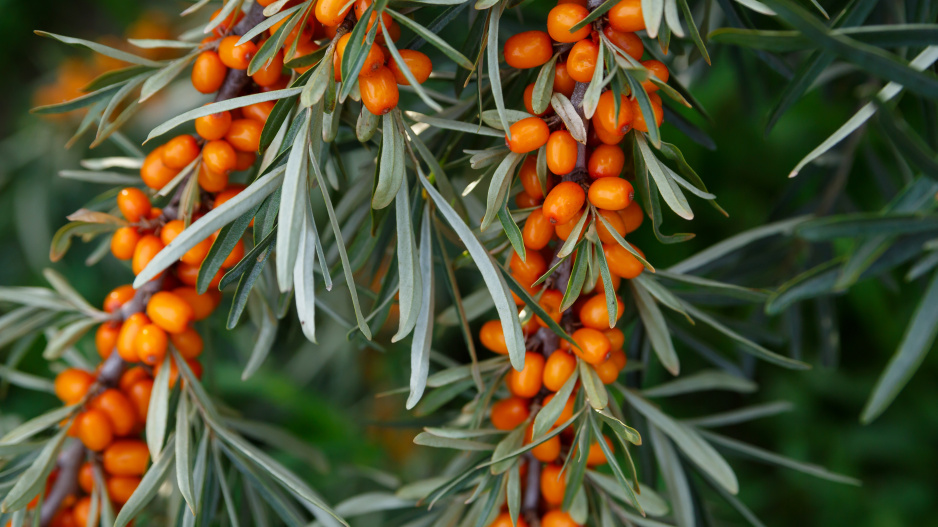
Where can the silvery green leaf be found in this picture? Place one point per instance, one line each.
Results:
(702, 381)
(184, 464)
(104, 178)
(450, 124)
(491, 118)
(498, 188)
(430, 440)
(651, 502)
(423, 331)
(596, 393)
(740, 415)
(652, 11)
(291, 218)
(230, 505)
(409, 271)
(149, 485)
(156, 43)
(656, 327)
(103, 50)
(674, 477)
(671, 18)
(371, 502)
(26, 380)
(67, 337)
(37, 424)
(595, 88)
(264, 318)
(33, 479)
(666, 186)
(571, 119)
(756, 6)
(304, 283)
(409, 75)
(366, 126)
(432, 38)
(495, 74)
(624, 483)
(544, 86)
(160, 79)
(573, 239)
(267, 24)
(513, 497)
(158, 412)
(391, 167)
(548, 414)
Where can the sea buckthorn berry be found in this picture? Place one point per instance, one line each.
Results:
(120, 488)
(615, 279)
(95, 430)
(553, 484)
(563, 230)
(189, 343)
(211, 181)
(72, 384)
(148, 246)
(119, 410)
(202, 305)
(529, 269)
(561, 152)
(550, 301)
(189, 275)
(630, 43)
(581, 62)
(504, 520)
(373, 61)
(557, 369)
(123, 242)
(134, 203)
(562, 18)
(558, 518)
(607, 371)
(632, 217)
(139, 395)
(418, 64)
(524, 200)
(626, 16)
(214, 126)
(179, 152)
(379, 91)
(208, 72)
(86, 477)
(245, 160)
(195, 255)
(151, 344)
(563, 82)
(621, 262)
(234, 56)
(245, 135)
(547, 451)
(529, 102)
(219, 156)
(592, 346)
(302, 49)
(493, 337)
(332, 12)
(169, 312)
(614, 220)
(131, 376)
(563, 202)
(529, 49)
(508, 413)
(119, 296)
(605, 115)
(611, 193)
(258, 111)
(527, 135)
(596, 455)
(659, 70)
(617, 356)
(604, 136)
(105, 338)
(527, 382)
(537, 231)
(81, 512)
(527, 174)
(639, 122)
(126, 457)
(126, 339)
(270, 72)
(606, 161)
(594, 314)
(154, 173)
(567, 411)
(533, 291)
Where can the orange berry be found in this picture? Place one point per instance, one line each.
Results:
(529, 49)
(105, 338)
(245, 135)
(118, 297)
(617, 356)
(193, 256)
(527, 135)
(120, 488)
(213, 127)
(606, 161)
(524, 200)
(550, 301)
(630, 43)
(302, 49)
(169, 312)
(234, 56)
(504, 520)
(605, 136)
(245, 160)
(86, 477)
(527, 382)
(529, 102)
(258, 111)
(614, 220)
(148, 246)
(557, 369)
(528, 176)
(332, 12)
(95, 430)
(567, 411)
(373, 61)
(596, 455)
(154, 173)
(208, 72)
(639, 122)
(131, 376)
(270, 72)
(493, 337)
(530, 269)
(508, 413)
(562, 18)
(133, 203)
(611, 193)
(558, 518)
(537, 231)
(139, 395)
(126, 339)
(418, 64)
(126, 457)
(151, 344)
(119, 410)
(211, 181)
(178, 152)
(563, 202)
(81, 512)
(563, 230)
(581, 62)
(546, 451)
(72, 384)
(219, 156)
(605, 115)
(561, 152)
(189, 343)
(563, 82)
(626, 16)
(379, 91)
(123, 242)
(553, 484)
(632, 216)
(592, 346)
(607, 371)
(621, 262)
(202, 305)
(659, 70)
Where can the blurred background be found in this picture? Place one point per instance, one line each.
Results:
(325, 394)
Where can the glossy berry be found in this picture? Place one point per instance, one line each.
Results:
(632, 216)
(613, 219)
(119, 410)
(562, 18)
(639, 122)
(211, 181)
(558, 518)
(180, 151)
(561, 152)
(563, 230)
(81, 512)
(131, 376)
(607, 371)
(527, 135)
(617, 356)
(553, 484)
(527, 382)
(592, 345)
(508, 413)
(567, 413)
(611, 193)
(528, 270)
(193, 256)
(86, 477)
(188, 342)
(621, 262)
(123, 242)
(659, 70)
(245, 135)
(105, 338)
(234, 56)
(270, 72)
(331, 12)
(626, 16)
(72, 384)
(154, 173)
(126, 339)
(258, 111)
(95, 430)
(524, 200)
(202, 305)
(550, 302)
(492, 337)
(139, 395)
(529, 49)
(418, 64)
(594, 313)
(557, 369)
(547, 451)
(563, 202)
(151, 343)
(606, 161)
(219, 156)
(538, 231)
(120, 488)
(604, 136)
(563, 82)
(126, 457)
(119, 296)
(581, 62)
(606, 117)
(148, 246)
(133, 203)
(630, 43)
(214, 126)
(169, 312)
(379, 91)
(208, 72)
(373, 60)
(529, 102)
(527, 174)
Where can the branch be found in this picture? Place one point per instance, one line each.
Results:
(532, 491)
(66, 483)
(236, 80)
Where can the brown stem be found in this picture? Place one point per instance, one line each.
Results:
(532, 490)
(66, 483)
(236, 80)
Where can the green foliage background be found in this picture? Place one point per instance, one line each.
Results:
(895, 457)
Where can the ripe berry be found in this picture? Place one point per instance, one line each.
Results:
(508, 413)
(659, 70)
(563, 82)
(527, 174)
(621, 262)
(105, 338)
(126, 339)
(596, 455)
(529, 49)
(123, 242)
(126, 457)
(193, 256)
(553, 484)
(550, 302)
(562, 18)
(373, 61)
(617, 356)
(379, 91)
(180, 151)
(563, 230)
(537, 231)
(214, 126)
(567, 411)
(86, 477)
(132, 375)
(148, 246)
(72, 384)
(211, 181)
(139, 395)
(557, 369)
(504, 520)
(561, 152)
(189, 343)
(558, 518)
(133, 203)
(605, 115)
(81, 512)
(524, 200)
(527, 382)
(95, 430)
(270, 72)
(594, 314)
(119, 296)
(530, 269)
(639, 122)
(234, 56)
(208, 72)
(154, 173)
(332, 12)
(418, 64)
(611, 193)
(245, 135)
(527, 135)
(626, 16)
(632, 216)
(119, 410)
(606, 161)
(258, 111)
(630, 43)
(604, 136)
(169, 312)
(607, 371)
(529, 102)
(302, 49)
(614, 220)
(151, 343)
(202, 305)
(547, 451)
(493, 337)
(219, 156)
(592, 346)
(563, 202)
(581, 62)
(120, 488)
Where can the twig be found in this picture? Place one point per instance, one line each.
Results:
(236, 80)
(532, 490)
(65, 484)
